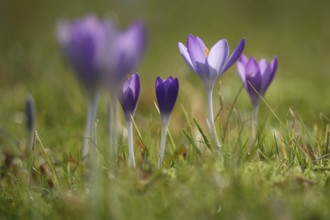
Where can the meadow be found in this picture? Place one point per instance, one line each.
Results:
(283, 175)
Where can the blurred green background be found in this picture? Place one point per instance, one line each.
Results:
(297, 32)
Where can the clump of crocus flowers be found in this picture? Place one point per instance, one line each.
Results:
(103, 56)
(256, 77)
(209, 66)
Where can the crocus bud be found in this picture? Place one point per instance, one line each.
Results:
(256, 76)
(129, 95)
(84, 43)
(30, 113)
(167, 93)
(30, 117)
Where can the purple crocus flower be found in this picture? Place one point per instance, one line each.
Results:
(128, 98)
(84, 44)
(256, 76)
(209, 64)
(167, 93)
(129, 95)
(126, 51)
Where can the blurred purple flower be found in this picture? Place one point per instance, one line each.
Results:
(167, 93)
(209, 64)
(126, 51)
(129, 95)
(84, 43)
(256, 76)
(30, 115)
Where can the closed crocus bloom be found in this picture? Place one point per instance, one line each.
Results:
(256, 76)
(129, 95)
(84, 44)
(128, 98)
(30, 114)
(167, 93)
(209, 64)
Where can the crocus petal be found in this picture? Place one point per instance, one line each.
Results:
(266, 75)
(234, 56)
(160, 93)
(129, 95)
(184, 53)
(241, 70)
(166, 92)
(83, 43)
(130, 46)
(263, 65)
(172, 94)
(253, 81)
(272, 72)
(217, 57)
(197, 52)
(135, 84)
(273, 65)
(243, 59)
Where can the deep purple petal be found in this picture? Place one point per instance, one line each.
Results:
(166, 92)
(234, 56)
(172, 95)
(135, 85)
(217, 57)
(273, 65)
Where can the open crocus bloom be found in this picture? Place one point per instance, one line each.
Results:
(129, 95)
(209, 64)
(84, 44)
(256, 76)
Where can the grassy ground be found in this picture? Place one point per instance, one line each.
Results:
(285, 175)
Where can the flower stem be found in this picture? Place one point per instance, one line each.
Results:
(165, 122)
(91, 117)
(131, 161)
(211, 119)
(255, 121)
(112, 129)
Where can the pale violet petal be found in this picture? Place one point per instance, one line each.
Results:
(217, 57)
